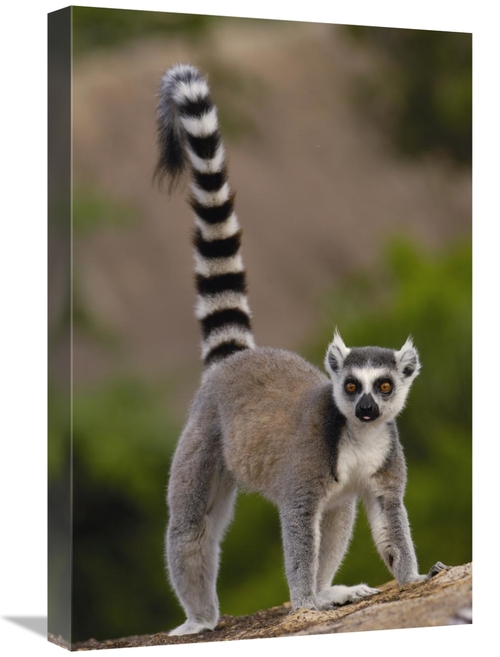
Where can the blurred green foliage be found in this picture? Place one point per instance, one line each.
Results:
(122, 438)
(124, 434)
(420, 91)
(93, 209)
(95, 27)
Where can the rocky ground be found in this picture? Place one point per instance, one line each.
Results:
(446, 599)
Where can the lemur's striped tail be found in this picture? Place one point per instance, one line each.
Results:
(189, 138)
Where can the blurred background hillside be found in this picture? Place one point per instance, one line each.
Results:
(350, 151)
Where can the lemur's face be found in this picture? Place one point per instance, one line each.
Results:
(371, 384)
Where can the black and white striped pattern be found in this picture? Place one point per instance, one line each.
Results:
(189, 138)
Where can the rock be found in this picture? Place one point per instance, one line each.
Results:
(446, 599)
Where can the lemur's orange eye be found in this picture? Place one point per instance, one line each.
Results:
(385, 386)
(351, 387)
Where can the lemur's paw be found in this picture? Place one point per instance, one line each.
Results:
(436, 569)
(305, 603)
(191, 627)
(341, 595)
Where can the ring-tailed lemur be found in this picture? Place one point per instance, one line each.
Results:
(267, 420)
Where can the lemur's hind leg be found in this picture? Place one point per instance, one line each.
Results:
(201, 501)
(336, 530)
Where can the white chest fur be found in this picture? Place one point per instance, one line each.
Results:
(362, 451)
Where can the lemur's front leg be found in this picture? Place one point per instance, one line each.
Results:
(391, 533)
(301, 537)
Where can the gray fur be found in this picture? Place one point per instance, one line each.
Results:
(371, 357)
(268, 421)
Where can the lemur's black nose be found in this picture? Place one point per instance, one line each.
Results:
(367, 409)
(366, 403)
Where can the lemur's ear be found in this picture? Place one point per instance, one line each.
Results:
(335, 354)
(407, 360)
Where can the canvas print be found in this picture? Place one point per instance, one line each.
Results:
(260, 328)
